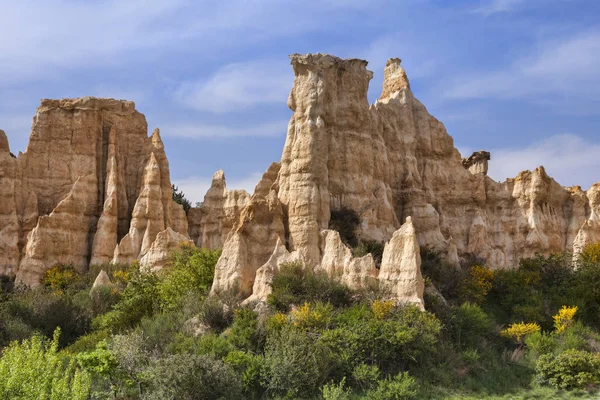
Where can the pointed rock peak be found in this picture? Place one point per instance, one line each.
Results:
(4, 147)
(102, 280)
(218, 180)
(407, 227)
(394, 78)
(263, 186)
(156, 139)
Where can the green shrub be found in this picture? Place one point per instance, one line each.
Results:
(42, 311)
(445, 277)
(401, 387)
(59, 277)
(246, 333)
(569, 370)
(33, 369)
(366, 376)
(296, 285)
(215, 315)
(470, 325)
(249, 367)
(139, 299)
(190, 269)
(189, 376)
(295, 364)
(538, 344)
(333, 391)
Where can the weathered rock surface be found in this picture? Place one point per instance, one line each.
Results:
(70, 197)
(252, 240)
(103, 281)
(166, 241)
(389, 161)
(210, 223)
(400, 271)
(477, 163)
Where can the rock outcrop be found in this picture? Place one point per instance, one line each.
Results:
(70, 197)
(477, 163)
(210, 223)
(166, 241)
(387, 162)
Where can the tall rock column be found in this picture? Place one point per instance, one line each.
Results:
(9, 221)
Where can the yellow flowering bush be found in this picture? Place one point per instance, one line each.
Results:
(519, 330)
(59, 277)
(478, 284)
(319, 315)
(564, 318)
(591, 255)
(382, 309)
(121, 276)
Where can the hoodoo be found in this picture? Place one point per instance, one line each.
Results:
(93, 188)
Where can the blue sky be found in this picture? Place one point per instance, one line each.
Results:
(520, 78)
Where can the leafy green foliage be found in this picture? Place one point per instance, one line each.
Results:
(190, 269)
(295, 284)
(400, 387)
(179, 198)
(33, 369)
(570, 369)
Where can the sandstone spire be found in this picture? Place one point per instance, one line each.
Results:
(400, 271)
(147, 217)
(394, 78)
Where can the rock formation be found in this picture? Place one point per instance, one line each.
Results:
(210, 223)
(477, 163)
(70, 197)
(93, 187)
(387, 162)
(166, 241)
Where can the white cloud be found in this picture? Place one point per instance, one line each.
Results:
(195, 188)
(200, 130)
(239, 86)
(566, 67)
(498, 6)
(568, 158)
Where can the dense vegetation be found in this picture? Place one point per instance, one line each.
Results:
(526, 333)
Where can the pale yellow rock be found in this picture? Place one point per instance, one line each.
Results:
(251, 241)
(400, 271)
(179, 220)
(157, 257)
(103, 281)
(262, 285)
(147, 217)
(9, 217)
(105, 239)
(211, 223)
(337, 261)
(63, 236)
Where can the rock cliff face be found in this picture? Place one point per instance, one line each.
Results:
(92, 187)
(72, 196)
(389, 162)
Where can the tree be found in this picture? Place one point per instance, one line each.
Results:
(179, 197)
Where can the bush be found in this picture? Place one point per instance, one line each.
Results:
(139, 299)
(366, 376)
(590, 256)
(295, 285)
(33, 369)
(295, 364)
(246, 333)
(520, 330)
(470, 325)
(190, 269)
(333, 391)
(249, 367)
(215, 315)
(569, 370)
(189, 376)
(477, 284)
(59, 277)
(318, 316)
(401, 387)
